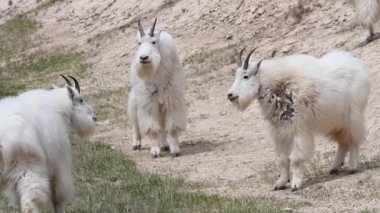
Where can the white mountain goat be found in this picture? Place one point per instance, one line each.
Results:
(367, 14)
(36, 160)
(156, 105)
(302, 96)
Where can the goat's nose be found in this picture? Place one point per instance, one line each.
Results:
(144, 57)
(231, 96)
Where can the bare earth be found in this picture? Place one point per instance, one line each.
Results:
(230, 152)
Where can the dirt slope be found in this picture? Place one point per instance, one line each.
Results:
(229, 151)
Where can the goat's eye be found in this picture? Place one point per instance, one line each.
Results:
(245, 76)
(81, 100)
(153, 42)
(139, 43)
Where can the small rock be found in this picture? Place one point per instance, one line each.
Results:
(10, 3)
(288, 210)
(183, 10)
(229, 37)
(223, 113)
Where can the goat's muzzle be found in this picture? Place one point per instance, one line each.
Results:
(144, 59)
(232, 97)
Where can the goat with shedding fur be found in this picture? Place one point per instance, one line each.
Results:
(156, 105)
(35, 146)
(302, 96)
(367, 14)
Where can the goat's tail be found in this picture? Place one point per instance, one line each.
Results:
(367, 12)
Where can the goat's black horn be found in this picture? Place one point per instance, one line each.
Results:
(142, 33)
(246, 62)
(76, 83)
(151, 33)
(239, 62)
(67, 80)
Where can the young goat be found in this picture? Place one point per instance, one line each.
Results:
(35, 147)
(156, 105)
(302, 96)
(367, 14)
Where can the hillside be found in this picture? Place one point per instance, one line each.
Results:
(229, 152)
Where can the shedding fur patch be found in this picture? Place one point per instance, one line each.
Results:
(283, 100)
(278, 104)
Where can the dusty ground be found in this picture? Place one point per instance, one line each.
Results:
(229, 151)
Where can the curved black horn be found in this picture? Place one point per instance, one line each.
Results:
(151, 33)
(76, 83)
(273, 54)
(142, 33)
(239, 58)
(246, 62)
(67, 80)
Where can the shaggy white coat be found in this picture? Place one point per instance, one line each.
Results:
(35, 147)
(367, 12)
(156, 104)
(302, 96)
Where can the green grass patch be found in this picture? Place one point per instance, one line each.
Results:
(108, 182)
(110, 105)
(15, 36)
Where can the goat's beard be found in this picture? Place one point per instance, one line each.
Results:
(243, 102)
(83, 125)
(146, 71)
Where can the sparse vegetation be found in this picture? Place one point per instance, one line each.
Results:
(107, 182)
(114, 112)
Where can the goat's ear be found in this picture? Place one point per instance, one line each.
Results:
(71, 92)
(258, 65)
(158, 34)
(53, 86)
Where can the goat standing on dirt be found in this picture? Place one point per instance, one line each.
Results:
(302, 96)
(367, 14)
(156, 105)
(36, 160)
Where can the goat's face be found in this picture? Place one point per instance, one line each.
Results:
(246, 85)
(83, 116)
(148, 55)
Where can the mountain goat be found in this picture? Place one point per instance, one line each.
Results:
(35, 146)
(302, 96)
(367, 14)
(156, 104)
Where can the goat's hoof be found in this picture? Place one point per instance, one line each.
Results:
(352, 171)
(334, 171)
(136, 147)
(294, 188)
(175, 155)
(276, 188)
(166, 148)
(155, 156)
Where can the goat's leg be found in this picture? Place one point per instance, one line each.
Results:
(357, 133)
(284, 173)
(283, 143)
(302, 150)
(353, 163)
(58, 208)
(174, 143)
(132, 114)
(339, 158)
(136, 136)
(371, 37)
(155, 148)
(298, 174)
(163, 142)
